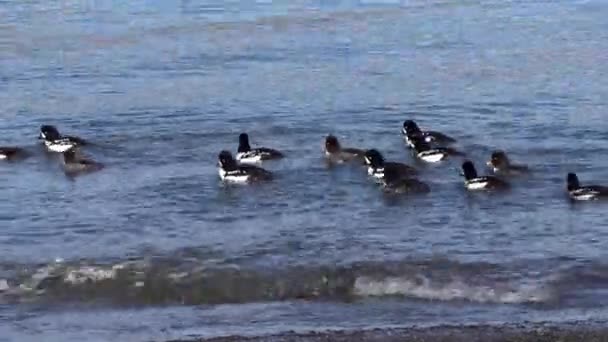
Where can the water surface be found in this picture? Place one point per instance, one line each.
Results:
(155, 247)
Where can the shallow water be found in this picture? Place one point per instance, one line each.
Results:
(155, 247)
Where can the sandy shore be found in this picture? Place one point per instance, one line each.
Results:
(485, 333)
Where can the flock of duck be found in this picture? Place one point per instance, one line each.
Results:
(427, 146)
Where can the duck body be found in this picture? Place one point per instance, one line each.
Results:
(74, 163)
(55, 142)
(12, 153)
(230, 171)
(501, 165)
(377, 166)
(412, 132)
(395, 183)
(336, 153)
(474, 182)
(248, 155)
(584, 193)
(426, 153)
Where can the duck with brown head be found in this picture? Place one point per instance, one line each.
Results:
(338, 154)
(75, 163)
(501, 165)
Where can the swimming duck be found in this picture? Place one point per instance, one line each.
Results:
(13, 153)
(230, 171)
(584, 193)
(500, 164)
(394, 182)
(474, 182)
(55, 142)
(376, 165)
(336, 153)
(410, 129)
(426, 153)
(73, 163)
(246, 154)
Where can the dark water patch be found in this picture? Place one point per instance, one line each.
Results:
(532, 332)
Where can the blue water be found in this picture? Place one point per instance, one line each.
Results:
(155, 247)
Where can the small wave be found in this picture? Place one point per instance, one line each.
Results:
(424, 288)
(192, 281)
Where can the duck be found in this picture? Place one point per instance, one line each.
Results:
(246, 154)
(475, 182)
(394, 182)
(410, 129)
(426, 153)
(336, 153)
(55, 142)
(376, 165)
(584, 193)
(231, 171)
(74, 162)
(500, 164)
(13, 153)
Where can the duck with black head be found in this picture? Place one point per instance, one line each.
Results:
(501, 165)
(411, 129)
(230, 170)
(338, 154)
(424, 151)
(246, 154)
(474, 182)
(376, 165)
(584, 193)
(13, 153)
(55, 142)
(75, 163)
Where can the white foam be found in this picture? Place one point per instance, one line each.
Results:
(59, 147)
(3, 156)
(454, 290)
(584, 195)
(248, 158)
(377, 173)
(431, 156)
(89, 274)
(4, 285)
(476, 184)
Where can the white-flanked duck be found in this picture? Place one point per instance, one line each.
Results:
(248, 155)
(475, 182)
(584, 193)
(426, 153)
(55, 142)
(230, 171)
(410, 130)
(376, 165)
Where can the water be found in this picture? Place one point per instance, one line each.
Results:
(154, 247)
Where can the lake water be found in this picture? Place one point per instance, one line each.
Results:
(154, 247)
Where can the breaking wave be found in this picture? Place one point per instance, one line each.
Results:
(164, 282)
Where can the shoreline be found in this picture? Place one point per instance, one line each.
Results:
(534, 332)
